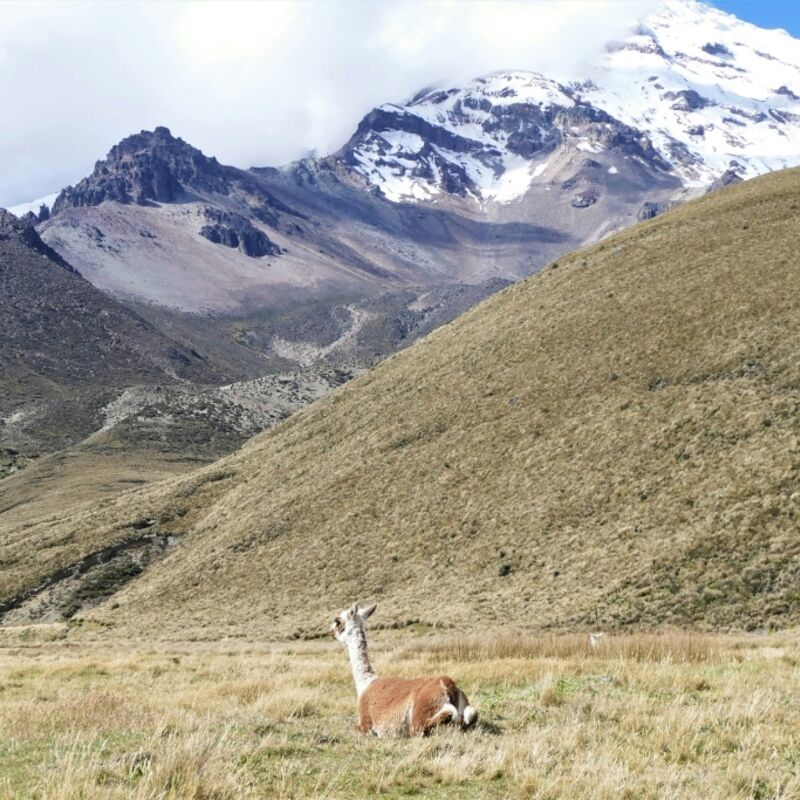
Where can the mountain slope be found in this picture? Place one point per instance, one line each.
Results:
(614, 441)
(65, 345)
(160, 222)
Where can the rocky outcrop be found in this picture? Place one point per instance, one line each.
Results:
(728, 178)
(12, 228)
(649, 210)
(787, 92)
(147, 167)
(88, 582)
(687, 100)
(233, 230)
(584, 199)
(717, 49)
(157, 167)
(35, 218)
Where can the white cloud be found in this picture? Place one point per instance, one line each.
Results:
(254, 83)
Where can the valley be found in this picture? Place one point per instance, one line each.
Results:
(476, 468)
(337, 261)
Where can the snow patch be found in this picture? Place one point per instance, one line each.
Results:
(539, 169)
(34, 205)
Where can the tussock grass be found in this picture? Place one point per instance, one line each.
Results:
(246, 720)
(674, 647)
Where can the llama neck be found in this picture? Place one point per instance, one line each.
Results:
(363, 674)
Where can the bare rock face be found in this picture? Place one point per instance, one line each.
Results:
(728, 178)
(584, 199)
(717, 49)
(787, 92)
(687, 100)
(649, 210)
(21, 232)
(148, 166)
(234, 230)
(35, 218)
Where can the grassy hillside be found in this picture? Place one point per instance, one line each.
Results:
(615, 441)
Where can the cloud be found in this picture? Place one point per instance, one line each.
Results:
(255, 83)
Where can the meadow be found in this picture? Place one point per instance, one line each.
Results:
(672, 715)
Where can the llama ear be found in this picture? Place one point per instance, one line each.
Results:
(354, 609)
(367, 612)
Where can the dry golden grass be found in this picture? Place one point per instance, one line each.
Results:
(673, 646)
(640, 717)
(61, 482)
(614, 442)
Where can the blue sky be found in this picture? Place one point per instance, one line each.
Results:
(765, 13)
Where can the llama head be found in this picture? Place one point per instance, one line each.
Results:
(352, 619)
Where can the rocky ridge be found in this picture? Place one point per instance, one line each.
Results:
(157, 167)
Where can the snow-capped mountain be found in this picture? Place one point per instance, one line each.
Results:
(693, 91)
(693, 75)
(490, 139)
(484, 181)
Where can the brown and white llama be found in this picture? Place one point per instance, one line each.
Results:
(395, 706)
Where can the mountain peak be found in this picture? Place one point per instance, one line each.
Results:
(158, 141)
(697, 90)
(11, 225)
(149, 166)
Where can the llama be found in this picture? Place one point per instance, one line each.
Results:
(394, 706)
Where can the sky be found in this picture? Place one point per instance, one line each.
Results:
(260, 84)
(765, 13)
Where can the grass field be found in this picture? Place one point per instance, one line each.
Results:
(667, 716)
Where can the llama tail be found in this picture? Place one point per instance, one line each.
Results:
(469, 716)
